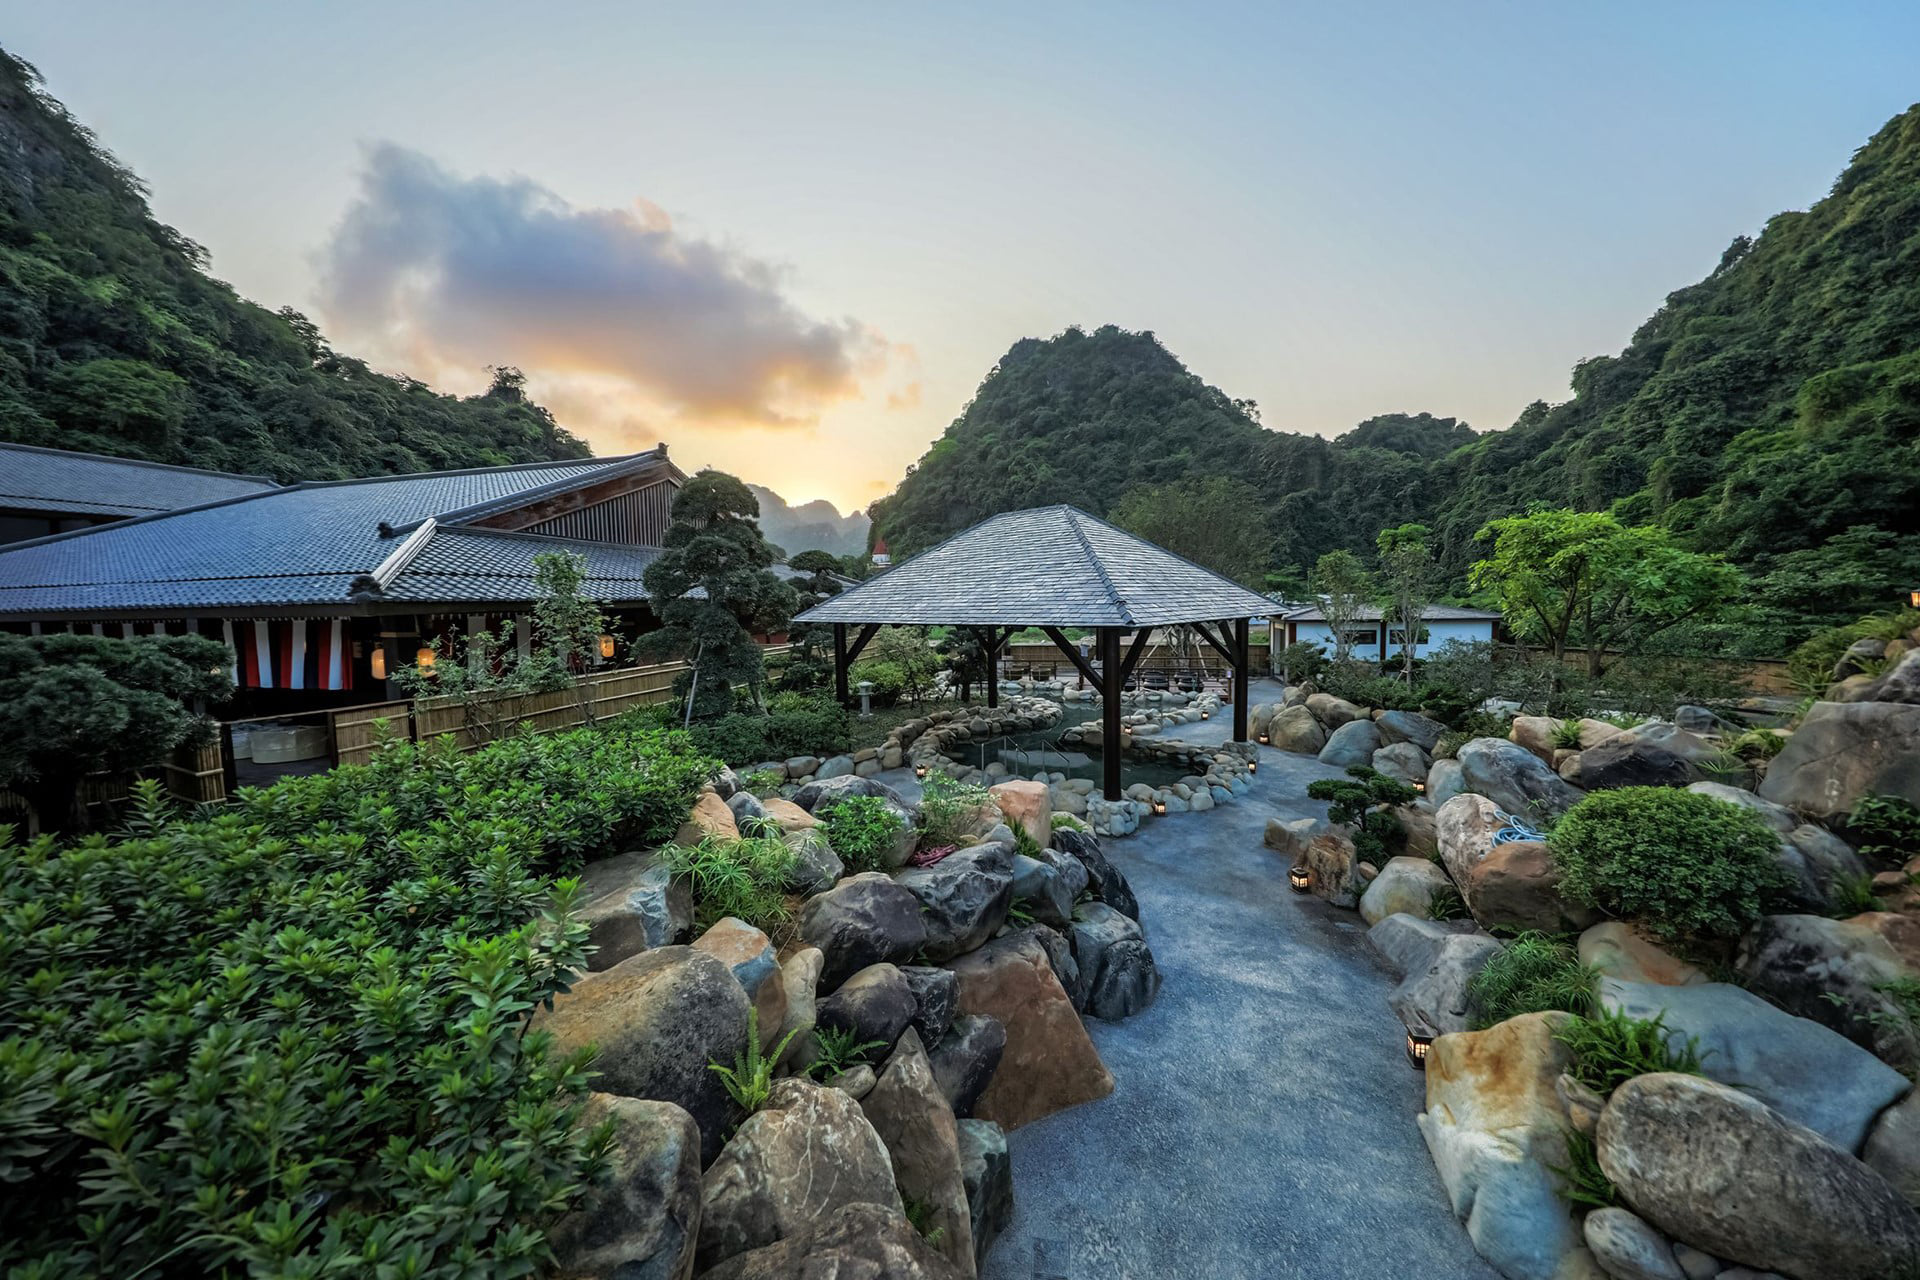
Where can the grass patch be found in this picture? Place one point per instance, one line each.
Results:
(741, 878)
(1534, 973)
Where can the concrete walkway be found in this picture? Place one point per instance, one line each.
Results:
(1262, 1123)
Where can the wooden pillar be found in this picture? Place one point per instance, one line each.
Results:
(1110, 711)
(989, 641)
(840, 690)
(1242, 671)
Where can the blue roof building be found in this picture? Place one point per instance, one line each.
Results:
(45, 491)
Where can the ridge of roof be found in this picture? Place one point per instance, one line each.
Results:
(1093, 558)
(506, 502)
(48, 451)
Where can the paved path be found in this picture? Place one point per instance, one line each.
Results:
(1262, 1124)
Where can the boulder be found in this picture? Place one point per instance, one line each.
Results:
(1105, 879)
(658, 1019)
(1496, 1129)
(1409, 726)
(834, 767)
(963, 898)
(1535, 734)
(1835, 972)
(1820, 865)
(1334, 712)
(746, 809)
(1410, 942)
(874, 1004)
(1404, 884)
(905, 1107)
(1901, 683)
(750, 957)
(1618, 950)
(1026, 805)
(1843, 751)
(1893, 1147)
(1403, 761)
(1060, 959)
(863, 920)
(789, 815)
(642, 1218)
(988, 1172)
(1416, 824)
(1517, 886)
(1691, 747)
(1295, 729)
(816, 868)
(1352, 743)
(1463, 829)
(1433, 994)
(858, 1242)
(856, 1081)
(1779, 817)
(799, 767)
(1628, 762)
(1808, 1073)
(935, 992)
(1724, 1172)
(824, 792)
(1444, 781)
(1627, 1248)
(808, 1152)
(1042, 890)
(1114, 962)
(1515, 779)
(1328, 852)
(1049, 1063)
(631, 902)
(725, 783)
(710, 818)
(799, 976)
(965, 1059)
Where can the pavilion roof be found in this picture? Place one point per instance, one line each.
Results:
(1047, 566)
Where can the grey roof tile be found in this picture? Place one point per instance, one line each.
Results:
(36, 479)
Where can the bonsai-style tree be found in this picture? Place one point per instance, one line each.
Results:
(1344, 588)
(1366, 805)
(74, 705)
(965, 659)
(1406, 571)
(810, 655)
(713, 546)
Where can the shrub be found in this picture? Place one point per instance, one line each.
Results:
(1584, 1184)
(862, 829)
(1757, 744)
(1610, 1048)
(1442, 701)
(749, 1080)
(1298, 662)
(1531, 974)
(1885, 827)
(837, 1049)
(1366, 805)
(1566, 735)
(888, 679)
(793, 725)
(1362, 683)
(949, 810)
(743, 878)
(1682, 863)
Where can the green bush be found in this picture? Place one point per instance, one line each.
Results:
(1683, 864)
(1811, 664)
(1533, 973)
(949, 810)
(743, 878)
(1885, 827)
(888, 679)
(1610, 1048)
(1366, 805)
(861, 829)
(289, 1037)
(793, 725)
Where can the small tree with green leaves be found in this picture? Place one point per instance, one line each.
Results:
(1366, 805)
(1406, 572)
(965, 659)
(810, 649)
(1344, 587)
(910, 650)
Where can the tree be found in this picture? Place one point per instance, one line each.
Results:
(1217, 522)
(810, 649)
(1344, 587)
(910, 651)
(965, 658)
(1406, 570)
(74, 705)
(1570, 576)
(713, 546)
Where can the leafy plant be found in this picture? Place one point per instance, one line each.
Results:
(1610, 1048)
(743, 878)
(1019, 913)
(1566, 735)
(862, 830)
(1366, 805)
(949, 810)
(1024, 843)
(1851, 895)
(761, 783)
(838, 1049)
(1582, 1181)
(1532, 974)
(920, 1217)
(1885, 827)
(1445, 903)
(749, 1081)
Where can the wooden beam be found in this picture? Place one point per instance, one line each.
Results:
(1241, 693)
(991, 644)
(1216, 645)
(1072, 651)
(1110, 712)
(1138, 647)
(860, 642)
(840, 663)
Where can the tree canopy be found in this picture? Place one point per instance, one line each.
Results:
(1215, 521)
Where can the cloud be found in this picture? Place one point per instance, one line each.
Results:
(442, 272)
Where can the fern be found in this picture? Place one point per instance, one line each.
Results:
(839, 1048)
(749, 1081)
(1610, 1048)
(1582, 1181)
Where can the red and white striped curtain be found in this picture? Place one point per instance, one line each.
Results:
(290, 654)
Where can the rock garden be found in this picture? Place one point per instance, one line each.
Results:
(1663, 976)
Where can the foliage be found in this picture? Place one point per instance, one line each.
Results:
(117, 341)
(794, 724)
(1811, 664)
(1025, 844)
(1566, 735)
(1406, 573)
(1851, 895)
(908, 651)
(1299, 662)
(1885, 827)
(920, 1218)
(744, 878)
(1362, 684)
(74, 704)
(1683, 864)
(837, 1049)
(307, 1050)
(1582, 1181)
(1445, 903)
(761, 783)
(963, 655)
(1899, 1017)
(713, 547)
(887, 679)
(810, 649)
(862, 830)
(1344, 588)
(1215, 521)
(950, 810)
(1610, 1048)
(1533, 973)
(1757, 744)
(1366, 805)
(749, 1081)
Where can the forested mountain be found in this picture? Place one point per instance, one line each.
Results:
(114, 339)
(811, 526)
(1770, 411)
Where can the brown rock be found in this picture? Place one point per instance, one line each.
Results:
(643, 1216)
(1535, 733)
(1295, 729)
(1893, 1147)
(789, 815)
(1517, 886)
(1899, 930)
(1416, 820)
(1028, 805)
(1464, 829)
(710, 817)
(750, 957)
(1049, 1064)
(906, 1108)
(1332, 711)
(859, 1242)
(1620, 951)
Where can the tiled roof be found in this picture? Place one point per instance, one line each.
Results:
(485, 565)
(35, 479)
(1050, 566)
(301, 545)
(1372, 613)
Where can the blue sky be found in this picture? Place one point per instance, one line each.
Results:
(790, 240)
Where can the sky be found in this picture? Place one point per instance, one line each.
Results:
(790, 240)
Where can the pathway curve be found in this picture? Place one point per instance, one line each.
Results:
(1262, 1123)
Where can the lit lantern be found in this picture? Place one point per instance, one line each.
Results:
(919, 771)
(1300, 877)
(1206, 715)
(1253, 766)
(1913, 598)
(1418, 1044)
(1159, 807)
(606, 646)
(424, 657)
(379, 659)
(1420, 787)
(1263, 739)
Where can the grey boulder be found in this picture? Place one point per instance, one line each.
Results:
(632, 902)
(911, 1116)
(1627, 1248)
(1515, 779)
(1436, 962)
(858, 1242)
(1843, 751)
(1409, 726)
(935, 993)
(963, 898)
(1103, 878)
(988, 1171)
(816, 867)
(965, 1059)
(865, 919)
(1834, 972)
(1040, 887)
(1445, 780)
(640, 1221)
(874, 1004)
(1628, 762)
(1402, 761)
(1352, 743)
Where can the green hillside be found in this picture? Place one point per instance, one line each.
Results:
(114, 339)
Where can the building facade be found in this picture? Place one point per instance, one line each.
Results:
(1371, 637)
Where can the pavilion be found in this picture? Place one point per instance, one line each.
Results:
(1054, 567)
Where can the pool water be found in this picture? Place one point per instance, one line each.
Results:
(1026, 754)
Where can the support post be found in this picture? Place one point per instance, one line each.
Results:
(992, 645)
(840, 663)
(1110, 711)
(1241, 693)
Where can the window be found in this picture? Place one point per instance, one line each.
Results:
(1369, 636)
(1398, 637)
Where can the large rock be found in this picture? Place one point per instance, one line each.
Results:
(874, 1004)
(1417, 827)
(988, 1171)
(1106, 880)
(1404, 884)
(641, 1220)
(1691, 747)
(747, 809)
(1433, 994)
(1496, 1129)
(658, 1019)
(1844, 751)
(1410, 942)
(1049, 1063)
(1893, 1147)
(858, 1242)
(1464, 828)
(799, 977)
(1402, 761)
(1332, 711)
(1295, 729)
(1820, 866)
(1628, 762)
(1517, 886)
(816, 868)
(750, 957)
(710, 818)
(1808, 1073)
(1066, 970)
(1627, 1248)
(965, 1059)
(790, 816)
(825, 792)
(1727, 1174)
(911, 1116)
(1535, 734)
(1026, 805)
(808, 1152)
(1779, 817)
(1618, 950)
(963, 897)
(1328, 852)
(1445, 780)
(1042, 890)
(936, 993)
(1835, 972)
(863, 920)
(1409, 726)
(1515, 779)
(1352, 743)
(1114, 962)
(631, 903)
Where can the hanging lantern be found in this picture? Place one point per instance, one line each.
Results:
(379, 660)
(606, 646)
(1418, 1044)
(1913, 598)
(424, 657)
(1300, 877)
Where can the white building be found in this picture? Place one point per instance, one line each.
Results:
(1443, 625)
